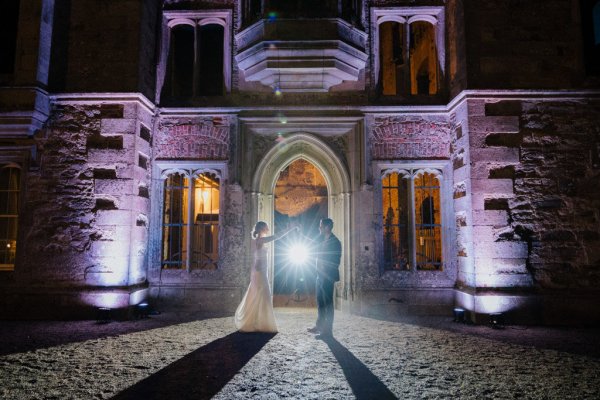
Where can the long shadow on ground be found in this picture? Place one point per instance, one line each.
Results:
(364, 384)
(202, 373)
(22, 336)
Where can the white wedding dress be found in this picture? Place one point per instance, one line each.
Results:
(255, 312)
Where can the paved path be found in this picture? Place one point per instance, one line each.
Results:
(368, 359)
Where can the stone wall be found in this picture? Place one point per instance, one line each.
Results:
(87, 207)
(523, 44)
(534, 193)
(104, 46)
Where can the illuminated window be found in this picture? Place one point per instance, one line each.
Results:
(190, 225)
(10, 187)
(412, 225)
(195, 60)
(409, 50)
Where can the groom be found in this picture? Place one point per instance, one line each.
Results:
(328, 254)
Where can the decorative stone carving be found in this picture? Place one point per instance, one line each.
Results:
(409, 138)
(206, 139)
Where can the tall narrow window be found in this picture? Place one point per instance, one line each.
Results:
(423, 59)
(175, 221)
(9, 20)
(10, 187)
(210, 60)
(206, 221)
(412, 229)
(191, 197)
(408, 66)
(180, 73)
(395, 221)
(392, 51)
(428, 233)
(409, 50)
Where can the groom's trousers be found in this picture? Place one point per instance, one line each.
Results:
(324, 288)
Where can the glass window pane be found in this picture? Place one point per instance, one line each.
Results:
(175, 216)
(395, 222)
(393, 68)
(428, 227)
(180, 69)
(205, 243)
(423, 59)
(210, 59)
(10, 180)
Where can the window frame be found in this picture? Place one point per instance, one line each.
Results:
(189, 170)
(171, 19)
(10, 164)
(412, 169)
(406, 16)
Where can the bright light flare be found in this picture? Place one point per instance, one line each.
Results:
(298, 253)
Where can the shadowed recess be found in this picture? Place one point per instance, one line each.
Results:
(364, 384)
(202, 373)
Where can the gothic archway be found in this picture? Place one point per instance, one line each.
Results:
(317, 152)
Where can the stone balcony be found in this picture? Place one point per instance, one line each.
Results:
(301, 55)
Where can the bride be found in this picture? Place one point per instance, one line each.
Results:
(255, 312)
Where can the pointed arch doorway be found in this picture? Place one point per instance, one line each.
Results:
(300, 197)
(306, 149)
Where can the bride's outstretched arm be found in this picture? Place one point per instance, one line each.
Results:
(278, 235)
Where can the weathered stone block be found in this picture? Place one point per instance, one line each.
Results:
(501, 155)
(490, 217)
(484, 233)
(113, 126)
(103, 249)
(504, 250)
(492, 186)
(99, 156)
(494, 124)
(113, 186)
(113, 217)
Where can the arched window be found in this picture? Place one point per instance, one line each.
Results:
(409, 53)
(190, 227)
(210, 60)
(423, 59)
(412, 230)
(393, 56)
(195, 57)
(10, 189)
(180, 71)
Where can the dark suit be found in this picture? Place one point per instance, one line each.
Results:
(328, 253)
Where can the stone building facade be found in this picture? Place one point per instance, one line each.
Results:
(458, 140)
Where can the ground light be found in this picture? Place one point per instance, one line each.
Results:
(142, 310)
(459, 314)
(497, 320)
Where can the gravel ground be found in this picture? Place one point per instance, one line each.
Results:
(185, 356)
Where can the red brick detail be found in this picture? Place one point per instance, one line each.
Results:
(404, 138)
(204, 140)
